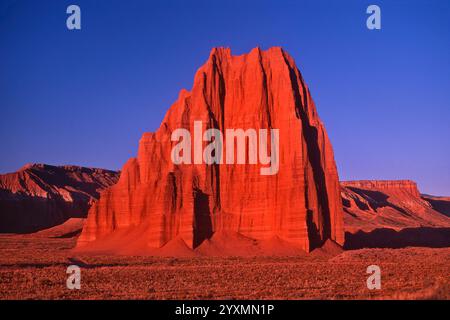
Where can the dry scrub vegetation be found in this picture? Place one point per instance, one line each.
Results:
(35, 268)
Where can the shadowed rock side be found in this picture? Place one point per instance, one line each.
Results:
(391, 214)
(440, 204)
(40, 196)
(300, 205)
(406, 237)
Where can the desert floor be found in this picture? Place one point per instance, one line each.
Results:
(34, 267)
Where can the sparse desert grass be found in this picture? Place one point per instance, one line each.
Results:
(35, 268)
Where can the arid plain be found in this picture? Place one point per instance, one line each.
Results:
(34, 267)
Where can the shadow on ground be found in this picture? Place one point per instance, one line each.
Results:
(390, 238)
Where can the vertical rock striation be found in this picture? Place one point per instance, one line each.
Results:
(163, 201)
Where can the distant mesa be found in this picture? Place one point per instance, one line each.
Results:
(393, 214)
(391, 204)
(41, 196)
(157, 205)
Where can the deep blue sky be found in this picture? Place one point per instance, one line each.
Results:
(85, 97)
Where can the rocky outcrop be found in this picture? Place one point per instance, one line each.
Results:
(392, 186)
(397, 204)
(40, 196)
(440, 204)
(157, 202)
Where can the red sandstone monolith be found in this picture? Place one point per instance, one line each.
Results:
(164, 202)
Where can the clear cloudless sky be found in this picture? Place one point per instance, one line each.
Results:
(85, 97)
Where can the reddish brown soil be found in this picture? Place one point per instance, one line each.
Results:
(34, 267)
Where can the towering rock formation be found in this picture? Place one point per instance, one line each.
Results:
(164, 202)
(40, 196)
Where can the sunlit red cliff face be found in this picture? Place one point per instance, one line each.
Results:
(158, 204)
(40, 196)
